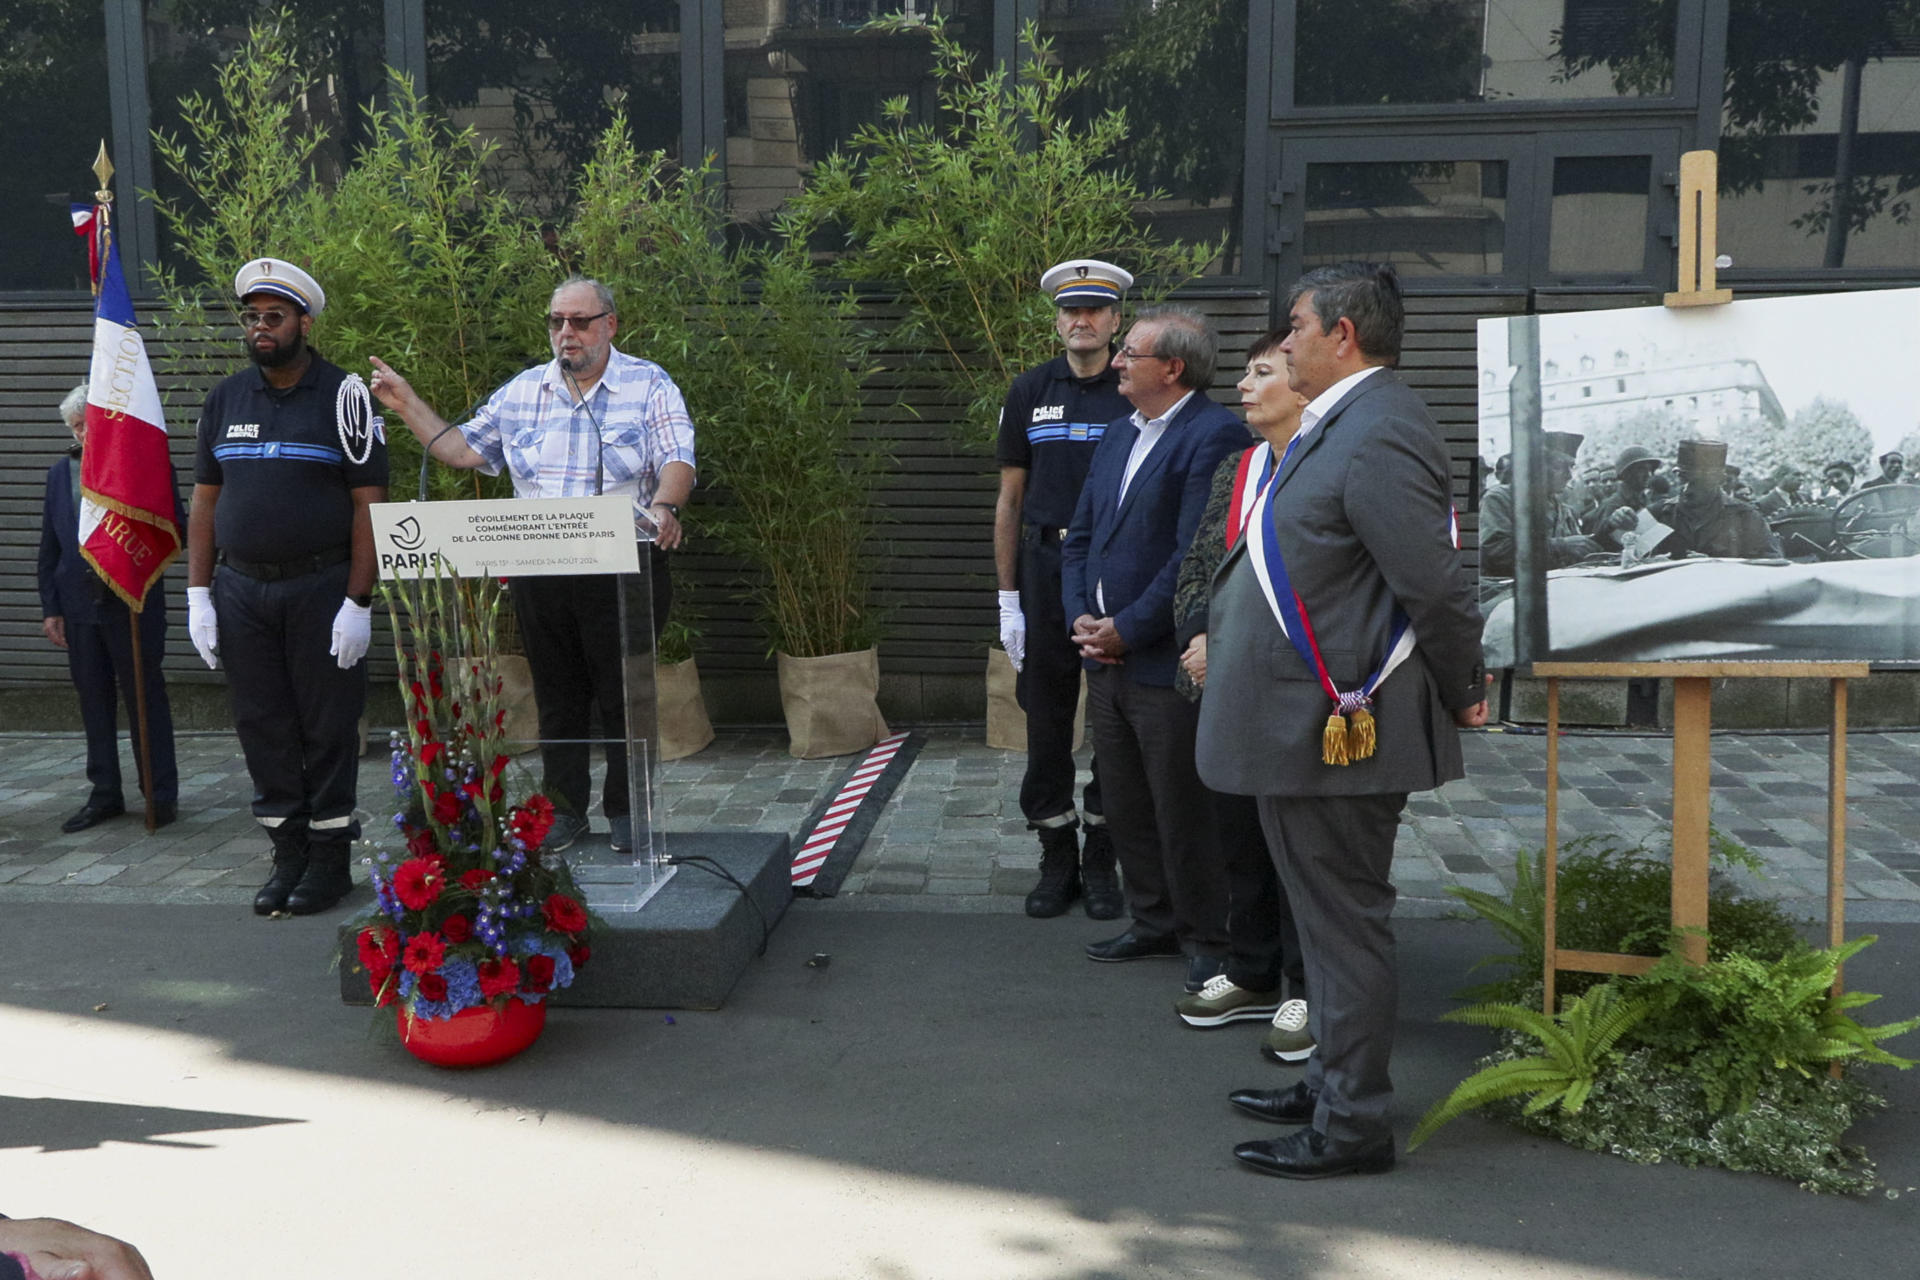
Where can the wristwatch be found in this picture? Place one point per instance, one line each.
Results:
(365, 601)
(672, 508)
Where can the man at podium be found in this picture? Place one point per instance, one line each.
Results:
(592, 421)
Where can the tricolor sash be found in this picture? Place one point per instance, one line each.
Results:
(1350, 733)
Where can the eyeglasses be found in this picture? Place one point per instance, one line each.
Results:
(262, 319)
(579, 324)
(1131, 354)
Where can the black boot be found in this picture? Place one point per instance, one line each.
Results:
(289, 864)
(1100, 876)
(327, 879)
(1059, 873)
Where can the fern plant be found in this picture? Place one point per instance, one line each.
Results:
(1734, 1020)
(1576, 1045)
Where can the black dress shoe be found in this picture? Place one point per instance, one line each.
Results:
(1202, 970)
(1305, 1154)
(163, 814)
(1278, 1106)
(1134, 946)
(92, 813)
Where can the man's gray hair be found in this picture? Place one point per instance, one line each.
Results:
(601, 293)
(74, 405)
(1367, 293)
(1186, 336)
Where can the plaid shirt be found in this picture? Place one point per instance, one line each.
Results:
(532, 428)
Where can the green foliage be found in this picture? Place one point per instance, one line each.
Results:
(1827, 431)
(1615, 899)
(1738, 1019)
(771, 365)
(424, 263)
(962, 217)
(1642, 1110)
(1575, 1046)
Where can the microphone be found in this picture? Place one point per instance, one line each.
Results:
(566, 364)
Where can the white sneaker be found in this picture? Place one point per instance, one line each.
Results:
(1289, 1042)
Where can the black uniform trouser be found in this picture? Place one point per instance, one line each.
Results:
(100, 658)
(570, 625)
(297, 713)
(1048, 689)
(1262, 944)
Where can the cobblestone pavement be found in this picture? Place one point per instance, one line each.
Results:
(951, 837)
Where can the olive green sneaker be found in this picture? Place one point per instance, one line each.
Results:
(1289, 1043)
(1220, 1002)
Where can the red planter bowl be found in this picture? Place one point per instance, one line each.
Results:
(476, 1037)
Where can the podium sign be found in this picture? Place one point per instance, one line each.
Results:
(506, 538)
(530, 537)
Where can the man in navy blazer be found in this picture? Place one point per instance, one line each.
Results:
(1145, 491)
(81, 615)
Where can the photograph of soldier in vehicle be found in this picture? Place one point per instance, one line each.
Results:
(1771, 436)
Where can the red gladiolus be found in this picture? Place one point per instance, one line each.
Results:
(475, 878)
(384, 988)
(499, 765)
(563, 914)
(424, 953)
(579, 955)
(431, 752)
(433, 678)
(379, 950)
(498, 977)
(456, 928)
(432, 987)
(446, 808)
(421, 728)
(419, 694)
(497, 793)
(539, 970)
(418, 881)
(500, 719)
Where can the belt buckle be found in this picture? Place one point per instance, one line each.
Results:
(1060, 535)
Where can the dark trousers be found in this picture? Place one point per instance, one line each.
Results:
(1335, 859)
(297, 713)
(570, 625)
(1263, 947)
(100, 657)
(1048, 689)
(1158, 811)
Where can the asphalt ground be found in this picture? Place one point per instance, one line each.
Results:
(915, 1081)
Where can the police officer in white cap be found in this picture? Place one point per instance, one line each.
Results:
(280, 573)
(1053, 418)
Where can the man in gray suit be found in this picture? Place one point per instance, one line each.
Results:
(1345, 656)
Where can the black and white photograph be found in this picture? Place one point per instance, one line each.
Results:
(1705, 482)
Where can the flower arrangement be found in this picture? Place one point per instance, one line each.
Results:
(472, 910)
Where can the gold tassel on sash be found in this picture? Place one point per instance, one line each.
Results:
(1333, 742)
(1361, 733)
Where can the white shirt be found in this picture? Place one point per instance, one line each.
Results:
(1317, 407)
(1151, 429)
(1150, 432)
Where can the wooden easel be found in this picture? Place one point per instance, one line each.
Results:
(1693, 692)
(1692, 724)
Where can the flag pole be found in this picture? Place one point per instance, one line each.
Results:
(103, 198)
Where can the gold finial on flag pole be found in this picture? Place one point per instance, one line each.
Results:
(103, 169)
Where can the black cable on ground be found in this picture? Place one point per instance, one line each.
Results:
(709, 865)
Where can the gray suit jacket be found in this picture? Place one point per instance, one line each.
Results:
(1361, 513)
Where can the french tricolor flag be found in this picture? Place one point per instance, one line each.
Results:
(127, 529)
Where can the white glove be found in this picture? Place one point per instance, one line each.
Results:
(352, 633)
(202, 626)
(1013, 629)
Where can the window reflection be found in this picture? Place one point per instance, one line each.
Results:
(1428, 218)
(1379, 52)
(1820, 155)
(1599, 214)
(53, 100)
(1178, 68)
(543, 82)
(802, 76)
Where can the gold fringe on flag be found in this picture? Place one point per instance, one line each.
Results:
(1361, 731)
(1333, 742)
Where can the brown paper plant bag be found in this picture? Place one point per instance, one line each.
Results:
(1006, 722)
(684, 726)
(831, 703)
